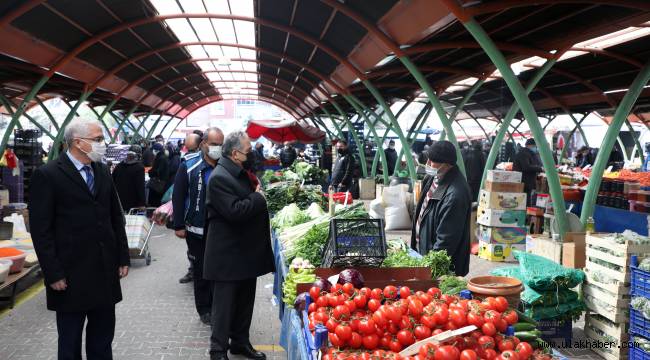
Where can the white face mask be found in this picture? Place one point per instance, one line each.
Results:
(214, 152)
(98, 150)
(431, 171)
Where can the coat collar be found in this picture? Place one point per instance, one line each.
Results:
(445, 182)
(234, 169)
(69, 168)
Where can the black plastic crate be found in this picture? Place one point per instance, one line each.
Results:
(355, 242)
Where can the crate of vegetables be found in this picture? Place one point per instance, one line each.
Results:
(598, 336)
(639, 349)
(611, 254)
(355, 242)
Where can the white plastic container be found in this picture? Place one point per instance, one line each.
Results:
(5, 265)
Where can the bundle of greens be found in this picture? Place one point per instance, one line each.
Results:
(284, 194)
(452, 285)
(308, 173)
(270, 177)
(438, 261)
(314, 211)
(290, 215)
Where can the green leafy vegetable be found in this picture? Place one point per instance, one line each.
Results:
(438, 261)
(452, 285)
(290, 215)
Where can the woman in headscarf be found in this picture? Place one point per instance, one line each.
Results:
(128, 177)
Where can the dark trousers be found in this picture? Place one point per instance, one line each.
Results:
(232, 313)
(202, 287)
(189, 257)
(99, 333)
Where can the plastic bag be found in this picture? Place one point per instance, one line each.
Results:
(394, 195)
(163, 213)
(376, 209)
(533, 297)
(543, 274)
(397, 218)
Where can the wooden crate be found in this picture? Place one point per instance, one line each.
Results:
(618, 331)
(613, 306)
(614, 353)
(622, 260)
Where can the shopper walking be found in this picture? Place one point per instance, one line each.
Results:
(77, 226)
(128, 177)
(344, 169)
(158, 175)
(188, 200)
(442, 216)
(529, 164)
(288, 155)
(391, 157)
(238, 247)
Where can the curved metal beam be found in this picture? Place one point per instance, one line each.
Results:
(485, 8)
(211, 99)
(519, 49)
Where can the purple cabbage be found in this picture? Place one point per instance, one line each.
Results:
(323, 284)
(301, 302)
(351, 276)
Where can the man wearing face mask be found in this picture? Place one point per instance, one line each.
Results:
(288, 155)
(238, 247)
(190, 186)
(391, 157)
(442, 216)
(529, 164)
(342, 176)
(77, 227)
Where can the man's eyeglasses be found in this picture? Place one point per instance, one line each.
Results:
(99, 139)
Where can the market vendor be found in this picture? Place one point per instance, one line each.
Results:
(344, 169)
(190, 187)
(527, 162)
(442, 216)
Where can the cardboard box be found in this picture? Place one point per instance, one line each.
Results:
(502, 235)
(503, 176)
(501, 200)
(498, 252)
(545, 247)
(501, 218)
(573, 250)
(504, 186)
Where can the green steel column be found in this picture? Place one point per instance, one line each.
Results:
(461, 105)
(362, 155)
(529, 112)
(175, 127)
(19, 111)
(413, 132)
(505, 124)
(54, 153)
(578, 123)
(637, 144)
(622, 112)
(125, 119)
(108, 131)
(320, 123)
(137, 131)
(7, 104)
(396, 128)
(424, 85)
(334, 123)
(47, 112)
(153, 127)
(357, 105)
(167, 124)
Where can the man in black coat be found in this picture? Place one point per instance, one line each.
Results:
(343, 173)
(391, 157)
(77, 226)
(238, 247)
(474, 166)
(442, 216)
(288, 155)
(129, 180)
(529, 164)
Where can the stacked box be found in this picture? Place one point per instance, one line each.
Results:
(501, 216)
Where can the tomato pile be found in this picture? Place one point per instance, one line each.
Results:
(379, 323)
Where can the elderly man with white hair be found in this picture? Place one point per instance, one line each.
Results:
(77, 226)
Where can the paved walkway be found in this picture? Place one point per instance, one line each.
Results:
(156, 320)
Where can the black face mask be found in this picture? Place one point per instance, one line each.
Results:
(342, 151)
(248, 163)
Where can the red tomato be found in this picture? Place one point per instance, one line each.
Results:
(394, 346)
(458, 317)
(422, 332)
(334, 340)
(348, 288)
(350, 304)
(344, 332)
(314, 292)
(331, 325)
(405, 338)
(415, 307)
(367, 326)
(489, 329)
(428, 321)
(373, 304)
(364, 291)
(501, 304)
(360, 301)
(434, 292)
(424, 298)
(508, 355)
(355, 340)
(333, 300)
(489, 354)
(376, 294)
(524, 350)
(447, 298)
(405, 322)
(370, 341)
(427, 351)
(312, 308)
(492, 316)
(390, 292)
(447, 352)
(322, 301)
(393, 313)
(486, 342)
(336, 289)
(511, 317)
(437, 331)
(441, 315)
(341, 312)
(475, 319)
(385, 341)
(468, 355)
(379, 318)
(354, 324)
(404, 292)
(321, 317)
(502, 325)
(506, 344)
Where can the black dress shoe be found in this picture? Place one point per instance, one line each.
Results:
(187, 278)
(206, 318)
(219, 356)
(248, 352)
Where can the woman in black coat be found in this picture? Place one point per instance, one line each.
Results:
(128, 177)
(159, 170)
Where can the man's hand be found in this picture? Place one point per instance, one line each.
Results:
(59, 285)
(123, 271)
(180, 233)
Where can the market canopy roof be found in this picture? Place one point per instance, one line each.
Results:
(175, 56)
(279, 131)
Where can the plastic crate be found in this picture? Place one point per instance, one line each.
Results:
(637, 353)
(640, 280)
(355, 242)
(639, 325)
(556, 329)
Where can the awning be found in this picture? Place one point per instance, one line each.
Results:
(281, 131)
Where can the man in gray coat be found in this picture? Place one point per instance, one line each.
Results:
(442, 216)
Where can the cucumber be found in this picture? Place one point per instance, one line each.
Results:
(524, 318)
(528, 335)
(524, 326)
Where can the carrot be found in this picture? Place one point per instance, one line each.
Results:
(9, 251)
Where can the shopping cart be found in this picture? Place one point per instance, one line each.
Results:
(138, 231)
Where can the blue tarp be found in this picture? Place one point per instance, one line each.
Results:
(613, 220)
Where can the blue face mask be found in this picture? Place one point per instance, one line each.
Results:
(534, 149)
